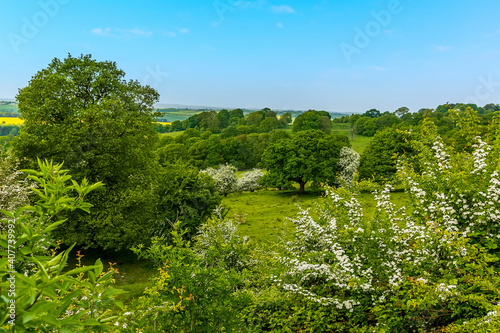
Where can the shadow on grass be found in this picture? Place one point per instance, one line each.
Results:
(133, 274)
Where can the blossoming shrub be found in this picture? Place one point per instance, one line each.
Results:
(249, 181)
(430, 266)
(388, 273)
(348, 164)
(14, 188)
(459, 192)
(45, 298)
(224, 177)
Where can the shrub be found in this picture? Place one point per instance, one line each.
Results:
(249, 181)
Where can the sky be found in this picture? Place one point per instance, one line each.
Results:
(339, 56)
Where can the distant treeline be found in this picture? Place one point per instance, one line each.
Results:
(243, 140)
(373, 120)
(9, 114)
(233, 121)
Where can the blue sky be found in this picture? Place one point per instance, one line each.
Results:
(343, 56)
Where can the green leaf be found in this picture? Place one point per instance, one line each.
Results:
(52, 226)
(79, 270)
(98, 267)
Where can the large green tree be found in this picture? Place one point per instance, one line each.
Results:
(309, 156)
(83, 112)
(312, 120)
(379, 160)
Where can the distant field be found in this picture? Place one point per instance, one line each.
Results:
(360, 141)
(10, 121)
(8, 107)
(171, 115)
(174, 134)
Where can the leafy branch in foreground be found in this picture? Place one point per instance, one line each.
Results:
(46, 297)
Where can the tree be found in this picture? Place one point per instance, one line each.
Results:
(82, 112)
(378, 158)
(229, 132)
(312, 120)
(254, 118)
(238, 113)
(309, 156)
(172, 153)
(184, 195)
(372, 113)
(224, 177)
(285, 119)
(206, 153)
(269, 124)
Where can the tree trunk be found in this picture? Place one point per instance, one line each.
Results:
(302, 186)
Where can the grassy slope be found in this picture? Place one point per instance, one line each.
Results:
(360, 141)
(266, 222)
(267, 211)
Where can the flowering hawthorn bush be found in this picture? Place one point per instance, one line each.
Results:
(224, 177)
(417, 269)
(249, 181)
(459, 192)
(14, 188)
(348, 164)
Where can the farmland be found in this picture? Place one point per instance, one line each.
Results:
(10, 121)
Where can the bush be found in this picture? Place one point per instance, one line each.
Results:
(224, 177)
(249, 181)
(45, 298)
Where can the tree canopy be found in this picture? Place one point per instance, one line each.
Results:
(83, 112)
(309, 156)
(312, 120)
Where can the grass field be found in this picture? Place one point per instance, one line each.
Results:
(266, 222)
(266, 211)
(171, 115)
(10, 121)
(7, 106)
(360, 141)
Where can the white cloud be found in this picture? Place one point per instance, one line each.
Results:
(135, 32)
(378, 68)
(170, 34)
(109, 32)
(183, 30)
(101, 32)
(282, 9)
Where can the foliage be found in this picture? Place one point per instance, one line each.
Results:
(309, 156)
(409, 270)
(45, 298)
(312, 120)
(379, 158)
(224, 177)
(386, 274)
(14, 188)
(82, 112)
(460, 192)
(348, 164)
(197, 288)
(249, 181)
(185, 195)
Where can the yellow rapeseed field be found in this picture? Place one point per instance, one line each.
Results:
(10, 121)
